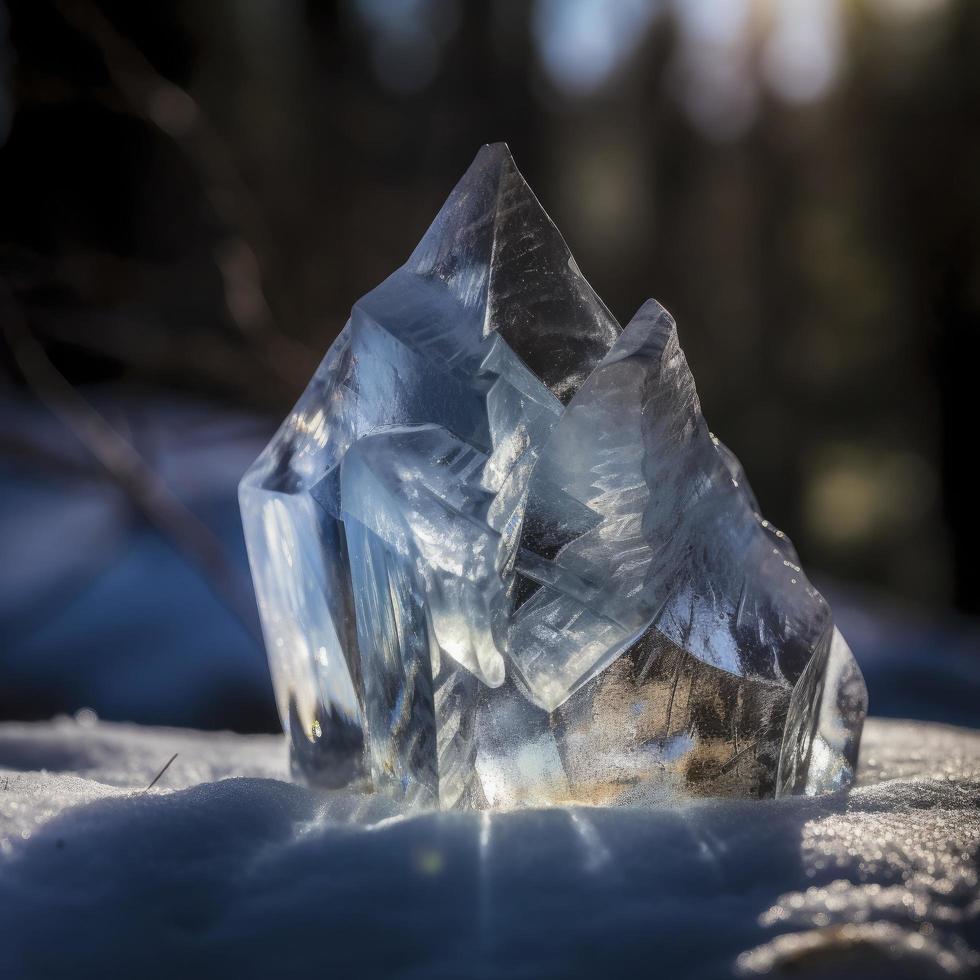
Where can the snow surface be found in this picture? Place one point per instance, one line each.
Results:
(226, 869)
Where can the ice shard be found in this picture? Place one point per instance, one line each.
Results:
(501, 560)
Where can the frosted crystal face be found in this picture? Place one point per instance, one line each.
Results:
(500, 559)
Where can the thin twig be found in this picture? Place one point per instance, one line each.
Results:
(218, 362)
(165, 105)
(156, 778)
(192, 538)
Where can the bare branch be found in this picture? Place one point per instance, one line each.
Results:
(192, 538)
(165, 105)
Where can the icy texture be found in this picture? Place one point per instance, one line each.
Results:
(226, 869)
(501, 560)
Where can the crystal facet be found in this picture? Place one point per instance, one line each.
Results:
(500, 559)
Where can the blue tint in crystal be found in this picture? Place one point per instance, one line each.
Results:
(501, 560)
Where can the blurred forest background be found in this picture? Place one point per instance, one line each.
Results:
(192, 195)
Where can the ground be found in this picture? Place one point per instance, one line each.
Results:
(226, 868)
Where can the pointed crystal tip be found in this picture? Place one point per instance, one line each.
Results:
(495, 247)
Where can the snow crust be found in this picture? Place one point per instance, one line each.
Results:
(224, 868)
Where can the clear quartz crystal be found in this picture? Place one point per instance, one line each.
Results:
(500, 559)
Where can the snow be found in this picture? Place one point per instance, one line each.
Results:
(224, 868)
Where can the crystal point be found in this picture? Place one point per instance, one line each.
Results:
(500, 559)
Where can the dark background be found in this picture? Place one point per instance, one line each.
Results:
(193, 194)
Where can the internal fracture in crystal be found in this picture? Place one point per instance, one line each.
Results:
(501, 560)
